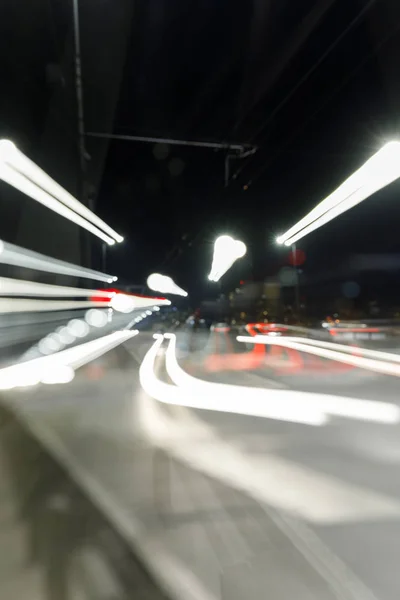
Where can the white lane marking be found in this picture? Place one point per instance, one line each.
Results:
(253, 400)
(379, 366)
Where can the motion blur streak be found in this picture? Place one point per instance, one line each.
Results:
(25, 186)
(17, 287)
(352, 408)
(379, 366)
(10, 254)
(219, 397)
(379, 171)
(226, 252)
(16, 160)
(355, 350)
(164, 284)
(22, 306)
(56, 368)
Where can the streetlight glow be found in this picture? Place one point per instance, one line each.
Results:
(18, 170)
(164, 284)
(226, 252)
(379, 171)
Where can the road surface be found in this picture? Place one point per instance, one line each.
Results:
(226, 505)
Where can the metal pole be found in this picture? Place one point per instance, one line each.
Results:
(104, 257)
(79, 95)
(297, 283)
(246, 149)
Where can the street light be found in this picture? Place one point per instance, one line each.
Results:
(226, 252)
(379, 171)
(19, 171)
(164, 284)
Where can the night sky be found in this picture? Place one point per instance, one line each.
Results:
(316, 104)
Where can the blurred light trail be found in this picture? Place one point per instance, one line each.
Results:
(371, 364)
(96, 317)
(164, 284)
(379, 171)
(126, 303)
(20, 257)
(20, 172)
(226, 252)
(57, 368)
(27, 187)
(354, 350)
(351, 408)
(21, 305)
(20, 287)
(220, 397)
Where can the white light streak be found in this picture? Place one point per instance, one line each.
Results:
(21, 257)
(20, 172)
(19, 287)
(379, 171)
(25, 186)
(226, 252)
(362, 362)
(219, 397)
(96, 318)
(354, 350)
(164, 284)
(78, 328)
(123, 303)
(21, 305)
(57, 368)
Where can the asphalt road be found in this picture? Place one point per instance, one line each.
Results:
(219, 504)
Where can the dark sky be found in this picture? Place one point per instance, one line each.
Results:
(314, 84)
(217, 71)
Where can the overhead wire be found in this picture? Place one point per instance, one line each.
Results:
(302, 80)
(332, 94)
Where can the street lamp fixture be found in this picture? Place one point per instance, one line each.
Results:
(379, 171)
(164, 284)
(226, 252)
(18, 170)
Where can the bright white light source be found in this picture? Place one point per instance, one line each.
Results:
(283, 404)
(96, 318)
(148, 312)
(20, 257)
(58, 374)
(51, 343)
(156, 308)
(123, 303)
(29, 378)
(20, 172)
(34, 371)
(20, 287)
(369, 359)
(198, 394)
(379, 171)
(164, 284)
(65, 336)
(226, 252)
(78, 328)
